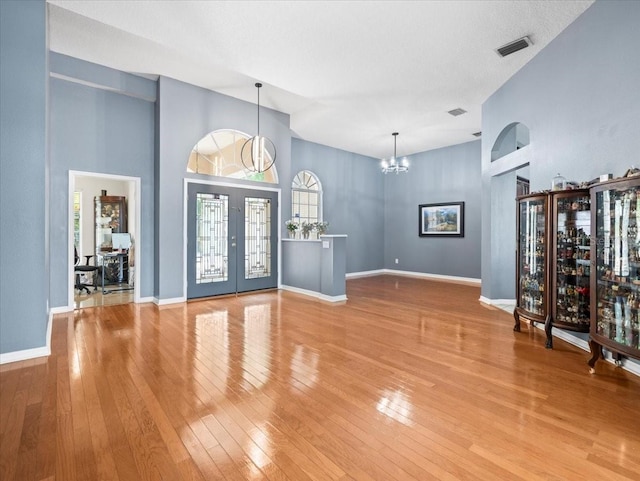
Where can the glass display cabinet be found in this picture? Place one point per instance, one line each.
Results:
(531, 260)
(615, 305)
(571, 262)
(110, 218)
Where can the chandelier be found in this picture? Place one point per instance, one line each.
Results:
(393, 165)
(258, 153)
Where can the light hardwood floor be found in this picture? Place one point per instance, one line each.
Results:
(97, 298)
(408, 380)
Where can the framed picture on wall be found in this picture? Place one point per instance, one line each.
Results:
(441, 220)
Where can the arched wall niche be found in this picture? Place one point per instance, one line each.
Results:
(513, 137)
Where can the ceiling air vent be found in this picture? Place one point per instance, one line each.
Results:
(477, 134)
(456, 112)
(514, 46)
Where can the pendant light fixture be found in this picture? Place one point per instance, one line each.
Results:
(258, 153)
(393, 165)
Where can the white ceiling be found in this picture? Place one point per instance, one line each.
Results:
(348, 72)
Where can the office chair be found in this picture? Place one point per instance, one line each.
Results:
(83, 269)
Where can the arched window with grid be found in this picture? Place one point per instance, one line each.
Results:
(306, 198)
(218, 154)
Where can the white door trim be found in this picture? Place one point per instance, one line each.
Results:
(136, 181)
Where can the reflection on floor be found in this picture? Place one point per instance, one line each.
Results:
(408, 380)
(97, 298)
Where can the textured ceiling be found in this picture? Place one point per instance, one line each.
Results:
(349, 73)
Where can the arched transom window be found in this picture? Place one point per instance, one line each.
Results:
(218, 154)
(306, 197)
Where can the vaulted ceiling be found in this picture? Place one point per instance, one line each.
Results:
(349, 73)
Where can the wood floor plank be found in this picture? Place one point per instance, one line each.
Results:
(8, 385)
(410, 379)
(46, 451)
(84, 452)
(26, 462)
(105, 464)
(65, 447)
(325, 467)
(121, 450)
(12, 435)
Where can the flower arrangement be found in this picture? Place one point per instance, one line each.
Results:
(322, 227)
(307, 227)
(292, 226)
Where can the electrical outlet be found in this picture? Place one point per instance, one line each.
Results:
(396, 261)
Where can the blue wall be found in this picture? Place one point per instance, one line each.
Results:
(95, 130)
(186, 114)
(450, 174)
(580, 98)
(23, 175)
(353, 199)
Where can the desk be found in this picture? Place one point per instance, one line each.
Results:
(115, 270)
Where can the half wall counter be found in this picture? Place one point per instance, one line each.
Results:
(316, 267)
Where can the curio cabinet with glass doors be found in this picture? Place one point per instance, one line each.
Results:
(532, 301)
(553, 260)
(615, 303)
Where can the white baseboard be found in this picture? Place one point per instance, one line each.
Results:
(60, 310)
(566, 336)
(437, 277)
(25, 354)
(317, 295)
(419, 275)
(36, 352)
(502, 302)
(172, 300)
(355, 275)
(628, 365)
(144, 300)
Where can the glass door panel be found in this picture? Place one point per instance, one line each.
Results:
(212, 229)
(532, 256)
(257, 228)
(571, 309)
(618, 267)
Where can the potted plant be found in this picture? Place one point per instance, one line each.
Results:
(307, 228)
(292, 227)
(322, 228)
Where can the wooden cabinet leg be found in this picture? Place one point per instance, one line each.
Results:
(617, 358)
(516, 316)
(596, 353)
(547, 331)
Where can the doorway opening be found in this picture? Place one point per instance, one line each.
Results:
(104, 230)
